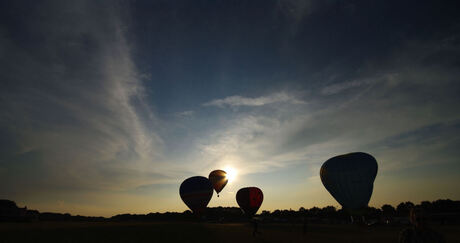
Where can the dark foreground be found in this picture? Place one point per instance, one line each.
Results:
(202, 232)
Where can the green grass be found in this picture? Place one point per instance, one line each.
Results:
(200, 232)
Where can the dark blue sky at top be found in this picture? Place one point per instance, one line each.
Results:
(200, 50)
(195, 51)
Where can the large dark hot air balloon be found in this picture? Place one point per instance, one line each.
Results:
(218, 180)
(350, 179)
(249, 199)
(196, 192)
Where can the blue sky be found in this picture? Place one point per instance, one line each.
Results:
(108, 107)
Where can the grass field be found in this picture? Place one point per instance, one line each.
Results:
(201, 232)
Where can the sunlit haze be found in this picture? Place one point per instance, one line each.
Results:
(231, 174)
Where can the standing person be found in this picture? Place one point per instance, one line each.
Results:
(418, 232)
(304, 227)
(256, 227)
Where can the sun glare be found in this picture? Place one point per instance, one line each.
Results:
(231, 173)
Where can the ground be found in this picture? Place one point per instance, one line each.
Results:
(201, 232)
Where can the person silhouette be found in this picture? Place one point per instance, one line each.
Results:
(419, 232)
(256, 227)
(304, 226)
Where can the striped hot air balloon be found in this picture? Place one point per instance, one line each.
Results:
(249, 199)
(196, 192)
(350, 178)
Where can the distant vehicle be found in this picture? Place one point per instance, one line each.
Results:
(196, 192)
(249, 199)
(350, 179)
(218, 180)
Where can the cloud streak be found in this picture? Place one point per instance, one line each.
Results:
(80, 107)
(235, 101)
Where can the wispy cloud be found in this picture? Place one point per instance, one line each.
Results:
(337, 88)
(80, 108)
(363, 82)
(234, 101)
(183, 114)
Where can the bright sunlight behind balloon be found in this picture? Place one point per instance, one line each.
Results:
(231, 173)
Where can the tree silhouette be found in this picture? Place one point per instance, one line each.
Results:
(403, 208)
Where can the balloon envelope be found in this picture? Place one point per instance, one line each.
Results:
(218, 180)
(249, 199)
(350, 178)
(196, 192)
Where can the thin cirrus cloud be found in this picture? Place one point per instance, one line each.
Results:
(78, 117)
(235, 101)
(337, 88)
(184, 114)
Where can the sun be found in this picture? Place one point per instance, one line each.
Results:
(231, 173)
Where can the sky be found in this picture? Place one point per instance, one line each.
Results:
(107, 106)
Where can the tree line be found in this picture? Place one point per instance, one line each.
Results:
(443, 210)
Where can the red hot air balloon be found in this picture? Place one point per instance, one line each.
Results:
(196, 192)
(249, 199)
(218, 180)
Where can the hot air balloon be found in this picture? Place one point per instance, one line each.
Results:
(218, 180)
(196, 192)
(249, 199)
(350, 178)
